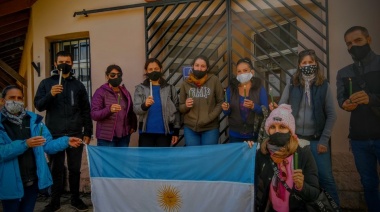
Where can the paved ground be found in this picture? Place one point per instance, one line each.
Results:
(65, 203)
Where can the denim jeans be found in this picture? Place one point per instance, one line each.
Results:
(326, 178)
(367, 158)
(200, 138)
(26, 203)
(116, 142)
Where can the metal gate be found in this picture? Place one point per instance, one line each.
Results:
(270, 32)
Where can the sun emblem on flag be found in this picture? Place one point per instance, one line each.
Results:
(169, 198)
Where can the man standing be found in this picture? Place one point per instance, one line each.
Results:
(67, 108)
(358, 92)
(23, 165)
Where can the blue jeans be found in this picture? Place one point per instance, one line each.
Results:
(367, 156)
(326, 177)
(116, 142)
(208, 137)
(26, 203)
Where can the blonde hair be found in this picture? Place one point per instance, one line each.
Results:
(285, 151)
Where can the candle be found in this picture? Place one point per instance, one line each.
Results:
(270, 93)
(60, 77)
(189, 95)
(245, 91)
(41, 128)
(118, 98)
(151, 90)
(295, 160)
(350, 86)
(225, 96)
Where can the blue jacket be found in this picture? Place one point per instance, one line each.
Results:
(11, 186)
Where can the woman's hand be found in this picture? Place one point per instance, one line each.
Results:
(250, 143)
(115, 108)
(174, 139)
(225, 106)
(272, 106)
(149, 101)
(298, 179)
(189, 102)
(249, 104)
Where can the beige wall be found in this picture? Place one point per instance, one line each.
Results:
(116, 37)
(342, 15)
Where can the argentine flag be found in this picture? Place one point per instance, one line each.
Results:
(212, 178)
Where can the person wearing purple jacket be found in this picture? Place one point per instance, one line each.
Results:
(112, 109)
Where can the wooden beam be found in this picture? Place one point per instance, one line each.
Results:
(13, 6)
(15, 17)
(12, 72)
(14, 34)
(15, 26)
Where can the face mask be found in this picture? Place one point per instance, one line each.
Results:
(154, 76)
(243, 78)
(279, 139)
(115, 82)
(359, 52)
(308, 70)
(14, 107)
(65, 68)
(199, 74)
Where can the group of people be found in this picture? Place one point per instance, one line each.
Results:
(287, 175)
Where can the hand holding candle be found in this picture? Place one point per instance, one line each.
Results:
(350, 84)
(41, 129)
(271, 95)
(225, 96)
(295, 160)
(151, 89)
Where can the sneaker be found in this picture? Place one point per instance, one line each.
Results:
(51, 208)
(79, 205)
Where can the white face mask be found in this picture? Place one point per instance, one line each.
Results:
(14, 107)
(243, 78)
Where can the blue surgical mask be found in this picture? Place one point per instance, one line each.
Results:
(243, 78)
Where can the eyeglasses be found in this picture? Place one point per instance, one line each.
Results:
(307, 52)
(112, 75)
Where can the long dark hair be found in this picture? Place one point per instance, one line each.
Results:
(297, 77)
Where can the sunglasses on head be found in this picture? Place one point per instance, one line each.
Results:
(114, 74)
(307, 52)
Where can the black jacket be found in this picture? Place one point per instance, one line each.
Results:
(363, 122)
(264, 174)
(68, 113)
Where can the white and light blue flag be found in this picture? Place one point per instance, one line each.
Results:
(212, 178)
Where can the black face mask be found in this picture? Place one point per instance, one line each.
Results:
(154, 76)
(199, 74)
(65, 68)
(279, 139)
(308, 70)
(359, 52)
(115, 82)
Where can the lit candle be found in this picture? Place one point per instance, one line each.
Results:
(350, 86)
(225, 95)
(151, 90)
(41, 128)
(60, 77)
(295, 159)
(245, 91)
(270, 93)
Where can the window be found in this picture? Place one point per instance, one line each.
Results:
(80, 50)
